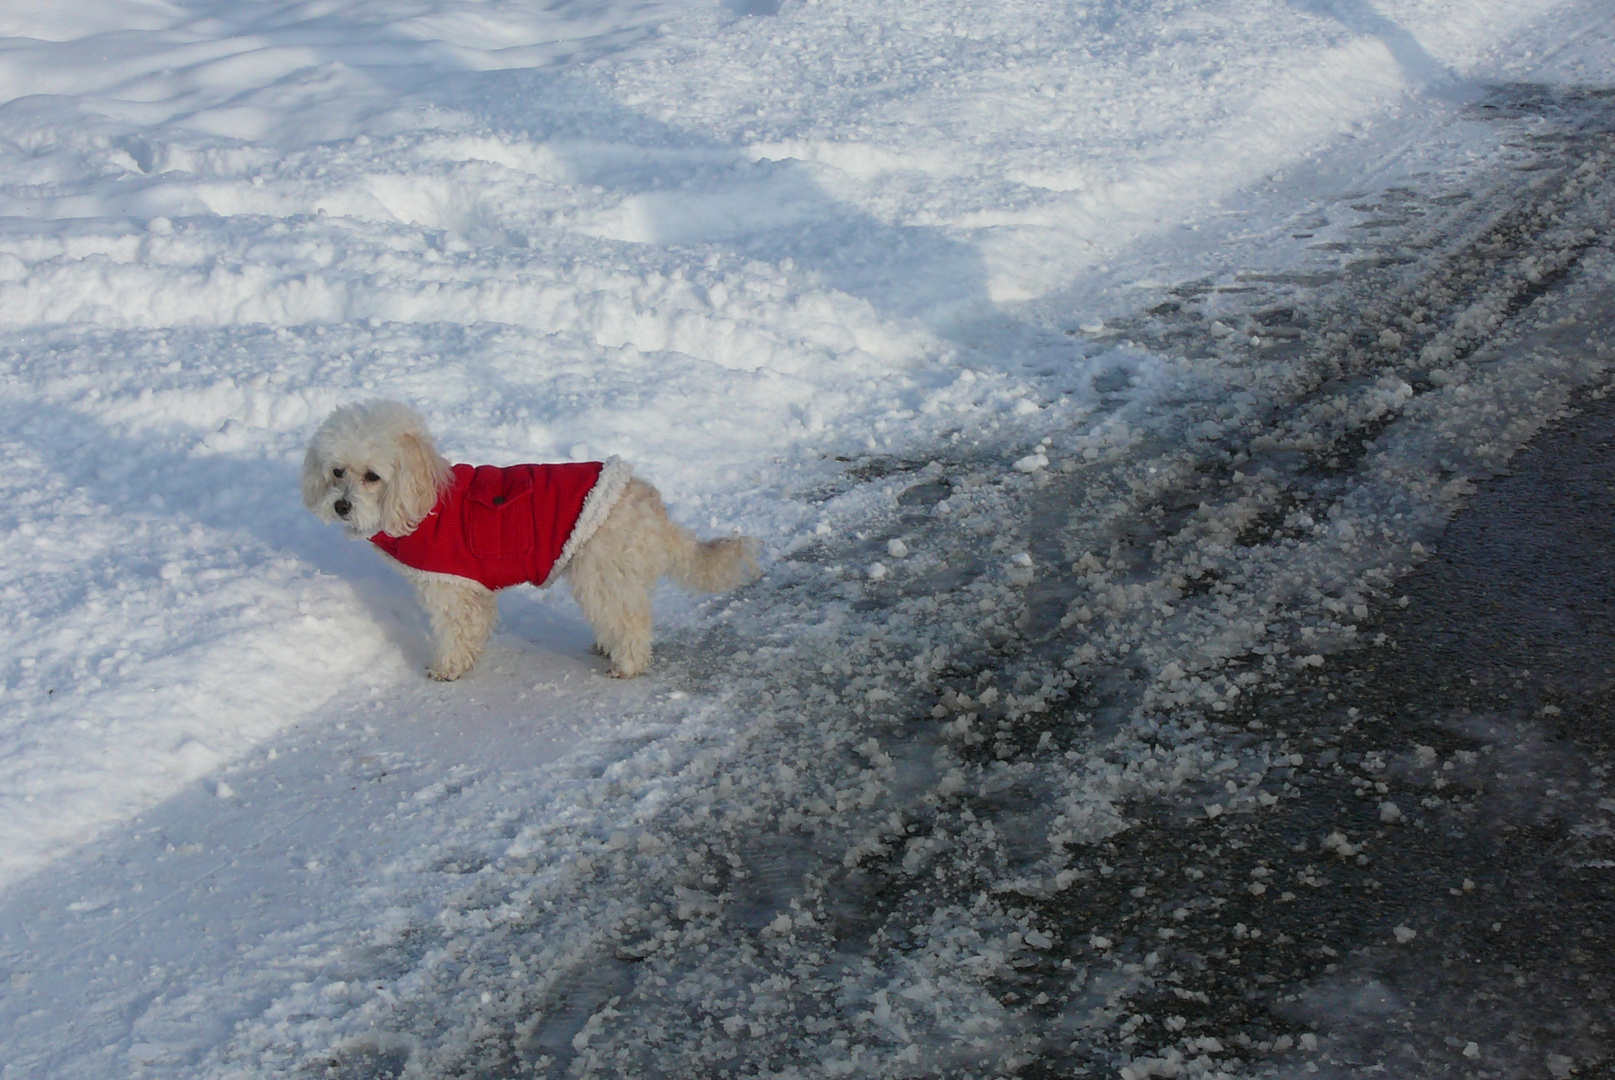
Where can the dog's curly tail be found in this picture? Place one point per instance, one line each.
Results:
(715, 565)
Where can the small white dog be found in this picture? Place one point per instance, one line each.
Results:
(459, 533)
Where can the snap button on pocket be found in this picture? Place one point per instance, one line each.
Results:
(499, 500)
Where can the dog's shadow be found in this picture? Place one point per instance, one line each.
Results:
(540, 628)
(543, 627)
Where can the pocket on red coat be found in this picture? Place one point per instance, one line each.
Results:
(499, 512)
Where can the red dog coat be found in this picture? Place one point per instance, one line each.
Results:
(505, 526)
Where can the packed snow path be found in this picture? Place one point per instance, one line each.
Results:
(1069, 474)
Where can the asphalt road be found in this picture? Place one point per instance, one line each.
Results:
(1501, 856)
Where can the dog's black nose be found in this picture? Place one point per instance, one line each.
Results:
(342, 506)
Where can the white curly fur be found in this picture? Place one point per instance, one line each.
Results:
(375, 468)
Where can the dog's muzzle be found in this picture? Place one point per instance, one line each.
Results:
(342, 507)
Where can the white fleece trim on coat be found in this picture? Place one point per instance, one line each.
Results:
(415, 576)
(614, 477)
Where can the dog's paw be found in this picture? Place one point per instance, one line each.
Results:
(630, 658)
(448, 670)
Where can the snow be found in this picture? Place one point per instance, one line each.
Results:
(795, 261)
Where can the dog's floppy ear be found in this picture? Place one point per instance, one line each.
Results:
(419, 473)
(313, 478)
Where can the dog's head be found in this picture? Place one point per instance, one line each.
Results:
(373, 467)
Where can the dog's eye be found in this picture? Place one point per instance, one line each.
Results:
(337, 473)
(371, 477)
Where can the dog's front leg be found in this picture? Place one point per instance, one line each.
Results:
(463, 615)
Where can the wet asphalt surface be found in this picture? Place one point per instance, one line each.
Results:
(1506, 651)
(1502, 861)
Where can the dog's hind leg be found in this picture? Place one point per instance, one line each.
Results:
(463, 616)
(618, 612)
(612, 574)
(630, 649)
